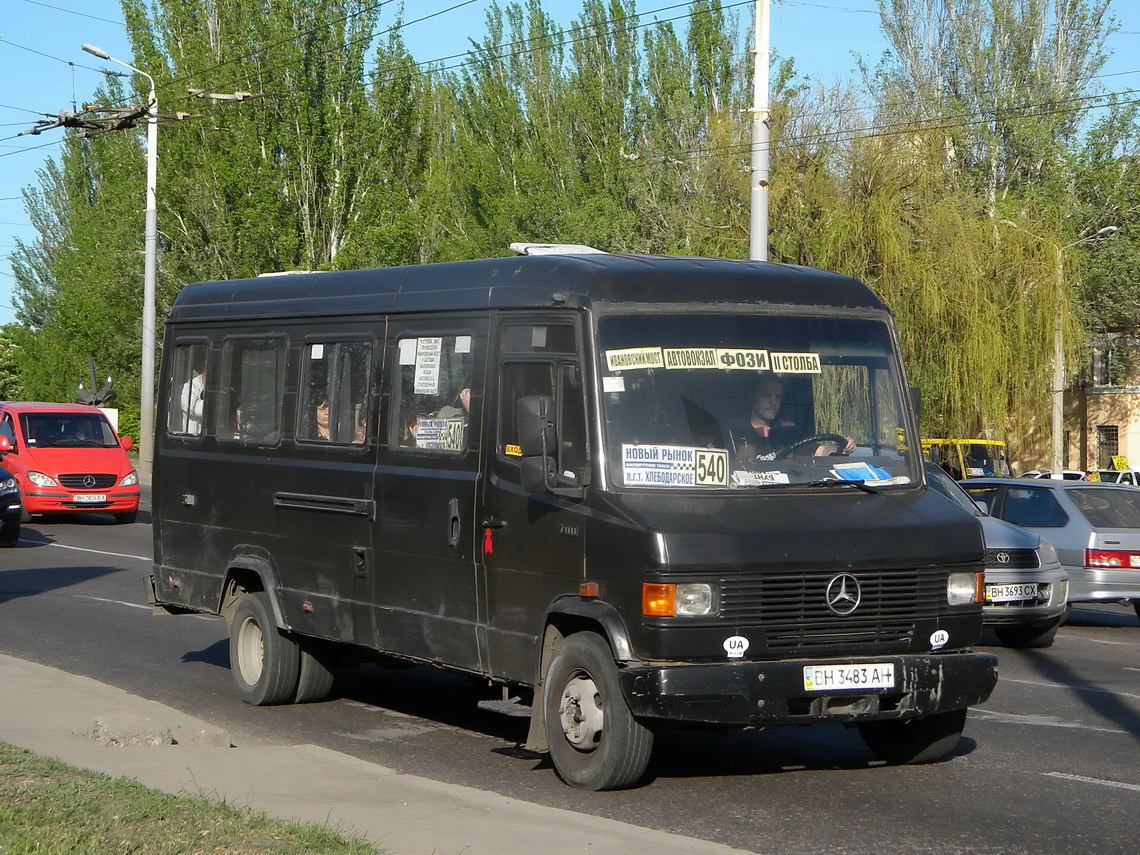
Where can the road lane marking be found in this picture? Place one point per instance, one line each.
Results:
(1126, 668)
(1037, 720)
(137, 605)
(1118, 784)
(1069, 637)
(1046, 685)
(82, 549)
(116, 602)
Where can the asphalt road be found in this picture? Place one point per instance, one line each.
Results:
(1048, 765)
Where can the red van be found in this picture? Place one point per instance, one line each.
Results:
(66, 457)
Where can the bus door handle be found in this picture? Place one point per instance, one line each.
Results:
(453, 524)
(494, 522)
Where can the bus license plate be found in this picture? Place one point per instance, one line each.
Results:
(1008, 593)
(821, 678)
(90, 498)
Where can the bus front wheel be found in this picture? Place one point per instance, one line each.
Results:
(595, 742)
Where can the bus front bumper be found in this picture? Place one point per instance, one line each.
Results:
(761, 694)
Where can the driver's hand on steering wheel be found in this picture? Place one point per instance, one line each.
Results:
(832, 448)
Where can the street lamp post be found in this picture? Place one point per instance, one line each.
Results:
(150, 256)
(1058, 413)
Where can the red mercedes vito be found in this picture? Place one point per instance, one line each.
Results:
(66, 457)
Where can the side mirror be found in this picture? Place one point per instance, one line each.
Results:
(534, 425)
(538, 440)
(126, 442)
(5, 445)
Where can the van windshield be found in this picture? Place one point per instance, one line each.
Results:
(742, 401)
(67, 430)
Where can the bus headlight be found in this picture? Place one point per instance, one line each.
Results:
(40, 479)
(689, 599)
(965, 588)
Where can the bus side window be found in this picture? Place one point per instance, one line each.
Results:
(334, 401)
(251, 391)
(522, 379)
(433, 392)
(187, 391)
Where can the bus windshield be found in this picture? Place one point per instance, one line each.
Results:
(741, 401)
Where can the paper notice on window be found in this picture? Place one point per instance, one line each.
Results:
(743, 478)
(634, 357)
(747, 360)
(407, 351)
(428, 353)
(690, 357)
(613, 384)
(673, 466)
(795, 363)
(463, 344)
(439, 434)
(317, 351)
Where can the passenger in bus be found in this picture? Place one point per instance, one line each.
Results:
(767, 430)
(321, 422)
(191, 400)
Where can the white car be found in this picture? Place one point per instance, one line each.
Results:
(1068, 475)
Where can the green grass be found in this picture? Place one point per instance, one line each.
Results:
(50, 807)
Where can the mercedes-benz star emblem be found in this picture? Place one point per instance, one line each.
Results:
(1002, 557)
(88, 480)
(843, 594)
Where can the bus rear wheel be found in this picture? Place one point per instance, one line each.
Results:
(595, 742)
(265, 664)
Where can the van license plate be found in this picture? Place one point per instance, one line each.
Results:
(1009, 593)
(90, 498)
(821, 678)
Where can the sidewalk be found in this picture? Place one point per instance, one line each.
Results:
(89, 724)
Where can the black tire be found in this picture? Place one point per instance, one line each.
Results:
(1136, 605)
(317, 671)
(600, 746)
(265, 664)
(128, 517)
(9, 535)
(917, 740)
(1033, 635)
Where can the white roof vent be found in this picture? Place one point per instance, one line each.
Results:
(555, 249)
(287, 273)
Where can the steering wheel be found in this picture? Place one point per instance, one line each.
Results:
(814, 439)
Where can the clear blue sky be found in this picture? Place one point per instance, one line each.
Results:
(822, 36)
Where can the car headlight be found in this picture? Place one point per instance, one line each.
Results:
(40, 479)
(964, 588)
(690, 599)
(9, 485)
(1046, 552)
(130, 479)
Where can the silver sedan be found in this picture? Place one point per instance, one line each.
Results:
(1095, 528)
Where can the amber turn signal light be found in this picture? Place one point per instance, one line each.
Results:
(980, 588)
(658, 600)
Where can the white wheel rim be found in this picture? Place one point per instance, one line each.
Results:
(580, 712)
(251, 651)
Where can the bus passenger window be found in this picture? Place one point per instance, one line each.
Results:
(434, 392)
(187, 391)
(252, 386)
(333, 405)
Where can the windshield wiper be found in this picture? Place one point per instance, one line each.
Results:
(840, 482)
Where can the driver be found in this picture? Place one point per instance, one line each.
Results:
(766, 431)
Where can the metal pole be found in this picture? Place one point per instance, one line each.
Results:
(1059, 370)
(758, 224)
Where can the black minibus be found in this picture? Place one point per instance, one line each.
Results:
(636, 492)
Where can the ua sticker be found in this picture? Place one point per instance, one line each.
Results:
(735, 645)
(939, 639)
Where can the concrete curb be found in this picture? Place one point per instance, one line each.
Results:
(86, 723)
